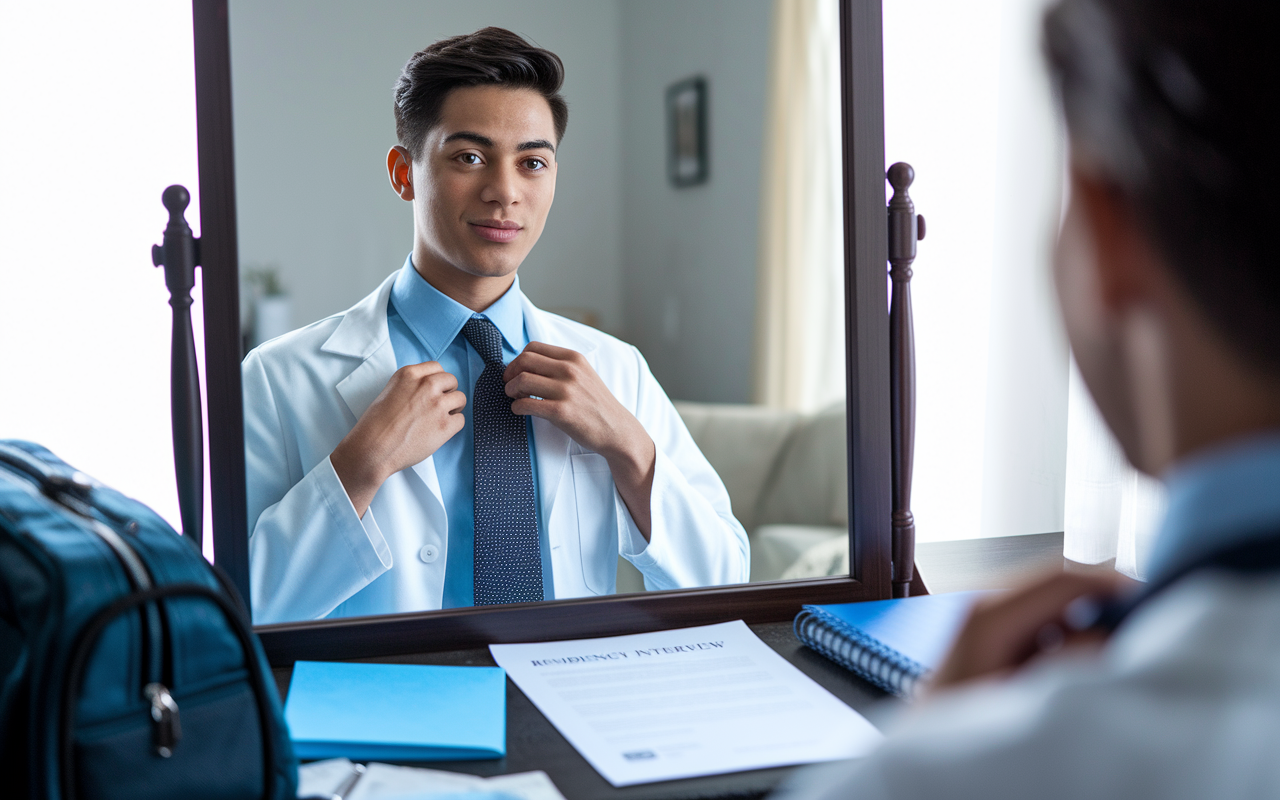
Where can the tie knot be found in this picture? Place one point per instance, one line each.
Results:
(485, 338)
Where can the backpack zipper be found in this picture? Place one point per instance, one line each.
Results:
(166, 728)
(71, 492)
(132, 563)
(166, 725)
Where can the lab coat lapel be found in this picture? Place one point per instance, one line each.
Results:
(366, 382)
(363, 334)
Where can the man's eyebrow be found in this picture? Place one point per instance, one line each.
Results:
(483, 141)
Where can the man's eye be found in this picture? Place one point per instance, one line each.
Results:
(534, 164)
(469, 158)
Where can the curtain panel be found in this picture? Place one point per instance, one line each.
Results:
(1112, 510)
(800, 314)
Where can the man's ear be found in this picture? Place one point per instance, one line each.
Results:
(400, 171)
(1124, 253)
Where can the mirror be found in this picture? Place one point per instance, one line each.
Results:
(693, 253)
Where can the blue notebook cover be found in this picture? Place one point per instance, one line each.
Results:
(397, 712)
(892, 643)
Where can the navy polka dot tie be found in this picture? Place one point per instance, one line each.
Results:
(508, 561)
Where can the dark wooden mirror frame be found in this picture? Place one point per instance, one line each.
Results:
(867, 377)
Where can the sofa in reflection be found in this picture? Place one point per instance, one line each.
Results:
(786, 474)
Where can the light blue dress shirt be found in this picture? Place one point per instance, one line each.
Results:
(426, 325)
(1224, 496)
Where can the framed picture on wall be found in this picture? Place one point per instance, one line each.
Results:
(688, 162)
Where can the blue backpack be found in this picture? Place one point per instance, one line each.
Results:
(130, 669)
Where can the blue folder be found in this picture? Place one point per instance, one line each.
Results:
(894, 644)
(397, 712)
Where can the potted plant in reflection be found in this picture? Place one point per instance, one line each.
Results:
(269, 306)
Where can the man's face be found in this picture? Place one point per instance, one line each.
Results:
(485, 180)
(1091, 265)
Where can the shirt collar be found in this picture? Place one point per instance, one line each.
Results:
(1227, 495)
(437, 319)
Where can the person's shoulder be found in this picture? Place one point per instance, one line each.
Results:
(329, 338)
(297, 345)
(1209, 620)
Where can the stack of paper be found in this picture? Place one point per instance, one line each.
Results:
(338, 777)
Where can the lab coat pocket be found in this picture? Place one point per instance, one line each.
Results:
(597, 521)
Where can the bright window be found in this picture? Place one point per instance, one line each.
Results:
(967, 103)
(99, 117)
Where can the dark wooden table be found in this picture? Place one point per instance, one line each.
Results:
(533, 743)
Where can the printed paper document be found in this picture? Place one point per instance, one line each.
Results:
(675, 704)
(338, 777)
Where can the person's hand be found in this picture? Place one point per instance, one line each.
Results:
(1005, 632)
(558, 384)
(418, 410)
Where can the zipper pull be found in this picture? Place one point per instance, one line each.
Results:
(166, 729)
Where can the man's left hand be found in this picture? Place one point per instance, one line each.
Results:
(560, 386)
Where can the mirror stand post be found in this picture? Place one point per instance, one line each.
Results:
(180, 255)
(905, 229)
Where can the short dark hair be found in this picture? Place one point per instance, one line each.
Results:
(1173, 103)
(488, 57)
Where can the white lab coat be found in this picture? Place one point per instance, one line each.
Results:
(1183, 702)
(311, 556)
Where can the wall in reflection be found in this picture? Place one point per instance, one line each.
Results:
(689, 255)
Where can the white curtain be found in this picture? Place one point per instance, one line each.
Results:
(1112, 510)
(800, 317)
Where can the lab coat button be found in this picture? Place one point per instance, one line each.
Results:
(429, 553)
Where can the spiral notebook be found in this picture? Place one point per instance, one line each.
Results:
(894, 644)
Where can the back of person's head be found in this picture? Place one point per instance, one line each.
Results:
(488, 57)
(1171, 103)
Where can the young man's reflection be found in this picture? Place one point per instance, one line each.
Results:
(445, 443)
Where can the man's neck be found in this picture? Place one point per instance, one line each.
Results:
(473, 291)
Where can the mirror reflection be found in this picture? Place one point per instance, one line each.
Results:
(542, 300)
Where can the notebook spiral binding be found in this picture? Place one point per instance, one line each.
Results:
(859, 653)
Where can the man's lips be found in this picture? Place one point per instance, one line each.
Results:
(496, 230)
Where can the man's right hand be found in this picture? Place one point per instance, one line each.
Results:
(1006, 631)
(419, 409)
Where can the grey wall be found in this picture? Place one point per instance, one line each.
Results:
(689, 255)
(312, 103)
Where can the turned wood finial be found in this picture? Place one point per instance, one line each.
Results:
(180, 255)
(901, 176)
(176, 198)
(906, 227)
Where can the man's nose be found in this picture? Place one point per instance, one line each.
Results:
(502, 186)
